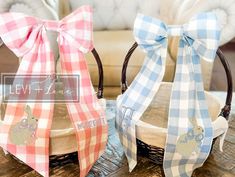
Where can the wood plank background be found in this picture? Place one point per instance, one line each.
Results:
(114, 164)
(8, 61)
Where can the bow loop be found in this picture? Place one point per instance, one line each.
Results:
(156, 35)
(19, 37)
(77, 29)
(151, 35)
(202, 34)
(198, 38)
(26, 37)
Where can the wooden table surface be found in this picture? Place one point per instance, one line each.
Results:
(113, 163)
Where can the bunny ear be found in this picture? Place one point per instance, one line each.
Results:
(28, 110)
(193, 121)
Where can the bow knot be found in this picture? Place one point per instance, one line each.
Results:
(75, 29)
(175, 30)
(26, 37)
(52, 25)
(201, 33)
(198, 39)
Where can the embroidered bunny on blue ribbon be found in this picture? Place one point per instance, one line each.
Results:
(190, 132)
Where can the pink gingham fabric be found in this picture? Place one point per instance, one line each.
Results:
(26, 37)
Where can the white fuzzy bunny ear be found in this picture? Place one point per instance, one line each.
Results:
(174, 9)
(167, 11)
(224, 10)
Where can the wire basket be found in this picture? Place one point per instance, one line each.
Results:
(151, 130)
(63, 143)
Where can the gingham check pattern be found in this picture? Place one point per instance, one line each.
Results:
(26, 37)
(151, 37)
(199, 38)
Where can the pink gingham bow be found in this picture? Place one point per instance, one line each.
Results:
(26, 37)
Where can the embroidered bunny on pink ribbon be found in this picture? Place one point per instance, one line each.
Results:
(26, 37)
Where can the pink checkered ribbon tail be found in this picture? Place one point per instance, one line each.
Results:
(25, 131)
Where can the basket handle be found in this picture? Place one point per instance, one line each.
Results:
(225, 111)
(101, 73)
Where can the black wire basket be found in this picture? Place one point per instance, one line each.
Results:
(155, 153)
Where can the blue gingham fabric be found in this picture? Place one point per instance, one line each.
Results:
(151, 37)
(190, 133)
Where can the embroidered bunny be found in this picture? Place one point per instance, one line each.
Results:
(23, 133)
(191, 141)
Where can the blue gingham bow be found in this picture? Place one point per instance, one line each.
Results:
(151, 35)
(190, 131)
